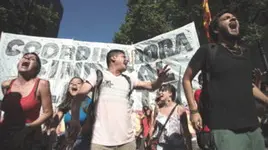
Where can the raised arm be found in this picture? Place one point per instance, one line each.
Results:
(76, 103)
(162, 76)
(259, 95)
(188, 89)
(57, 117)
(45, 98)
(194, 66)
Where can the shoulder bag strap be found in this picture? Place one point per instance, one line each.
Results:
(163, 127)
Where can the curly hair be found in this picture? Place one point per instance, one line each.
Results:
(169, 87)
(214, 24)
(65, 105)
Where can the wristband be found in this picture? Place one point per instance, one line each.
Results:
(27, 124)
(195, 111)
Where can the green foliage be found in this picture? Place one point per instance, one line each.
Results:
(31, 19)
(148, 18)
(251, 17)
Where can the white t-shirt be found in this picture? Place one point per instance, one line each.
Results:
(113, 124)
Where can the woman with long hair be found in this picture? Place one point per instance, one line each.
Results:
(64, 112)
(23, 98)
(175, 134)
(146, 123)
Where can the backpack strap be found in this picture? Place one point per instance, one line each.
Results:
(130, 84)
(212, 49)
(91, 109)
(87, 127)
(96, 91)
(206, 74)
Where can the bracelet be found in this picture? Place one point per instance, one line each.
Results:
(195, 111)
(27, 124)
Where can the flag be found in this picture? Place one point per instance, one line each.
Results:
(206, 18)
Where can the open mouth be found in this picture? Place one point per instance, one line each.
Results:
(160, 96)
(25, 64)
(233, 25)
(74, 89)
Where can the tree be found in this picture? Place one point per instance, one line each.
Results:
(148, 18)
(27, 17)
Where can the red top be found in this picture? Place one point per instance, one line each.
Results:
(146, 126)
(197, 98)
(24, 109)
(197, 95)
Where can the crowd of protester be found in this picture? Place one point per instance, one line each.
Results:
(221, 115)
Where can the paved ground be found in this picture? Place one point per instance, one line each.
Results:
(195, 146)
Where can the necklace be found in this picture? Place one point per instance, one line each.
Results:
(234, 50)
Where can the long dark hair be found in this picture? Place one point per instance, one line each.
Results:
(38, 61)
(169, 87)
(145, 109)
(67, 98)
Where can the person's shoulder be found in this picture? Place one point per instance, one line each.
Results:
(181, 109)
(43, 84)
(6, 83)
(206, 46)
(88, 99)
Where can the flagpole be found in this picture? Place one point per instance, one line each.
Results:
(206, 19)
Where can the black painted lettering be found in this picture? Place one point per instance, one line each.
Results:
(32, 46)
(43, 71)
(182, 43)
(104, 52)
(78, 69)
(88, 67)
(53, 69)
(67, 70)
(11, 50)
(147, 73)
(96, 54)
(145, 98)
(138, 56)
(150, 53)
(82, 53)
(50, 50)
(67, 52)
(165, 48)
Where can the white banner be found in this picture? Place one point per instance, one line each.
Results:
(175, 49)
(63, 59)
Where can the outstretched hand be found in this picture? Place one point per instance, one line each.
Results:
(163, 73)
(257, 74)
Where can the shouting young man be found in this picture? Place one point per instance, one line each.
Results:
(113, 127)
(228, 107)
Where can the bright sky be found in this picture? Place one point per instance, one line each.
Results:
(92, 20)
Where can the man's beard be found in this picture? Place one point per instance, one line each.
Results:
(230, 37)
